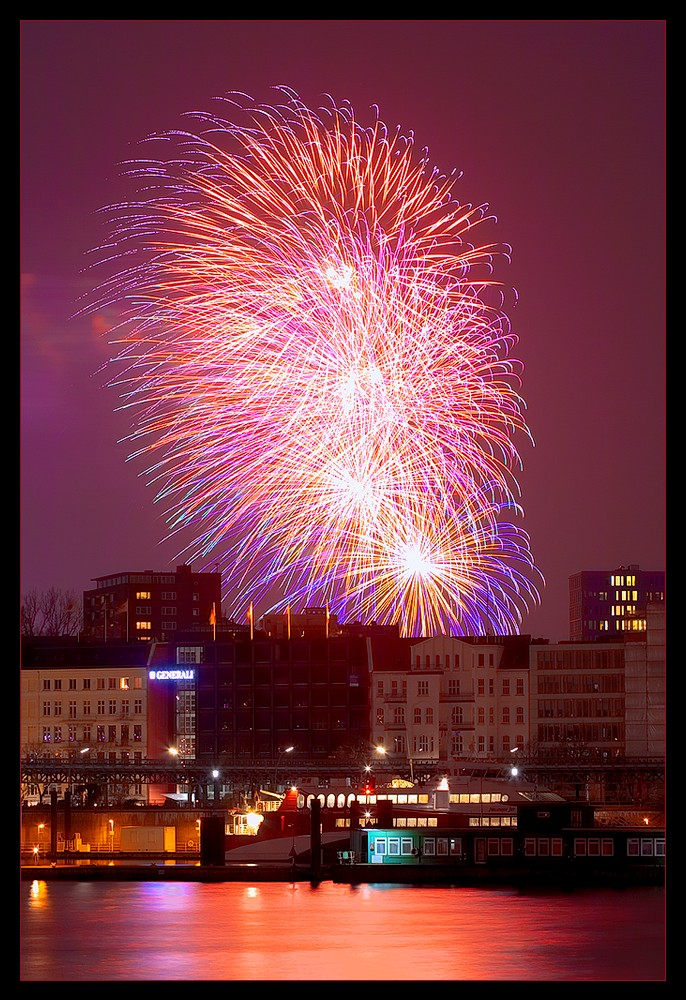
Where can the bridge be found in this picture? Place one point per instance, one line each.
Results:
(629, 774)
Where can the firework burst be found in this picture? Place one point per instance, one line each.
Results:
(318, 368)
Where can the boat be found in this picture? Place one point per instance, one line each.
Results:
(490, 800)
(466, 829)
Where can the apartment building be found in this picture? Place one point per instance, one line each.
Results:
(150, 605)
(97, 702)
(449, 699)
(606, 604)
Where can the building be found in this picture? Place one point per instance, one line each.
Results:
(607, 697)
(256, 695)
(94, 702)
(448, 699)
(150, 605)
(608, 603)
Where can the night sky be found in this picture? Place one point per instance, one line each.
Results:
(558, 125)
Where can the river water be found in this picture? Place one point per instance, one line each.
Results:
(102, 932)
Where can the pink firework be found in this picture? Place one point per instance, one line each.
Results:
(317, 364)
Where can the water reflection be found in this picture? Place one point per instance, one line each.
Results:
(294, 931)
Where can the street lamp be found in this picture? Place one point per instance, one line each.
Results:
(282, 753)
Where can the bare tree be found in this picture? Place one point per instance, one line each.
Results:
(51, 612)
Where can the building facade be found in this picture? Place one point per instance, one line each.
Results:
(94, 702)
(609, 603)
(608, 697)
(150, 606)
(450, 700)
(256, 695)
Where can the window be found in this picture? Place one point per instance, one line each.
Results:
(46, 685)
(189, 654)
(480, 687)
(422, 688)
(72, 709)
(86, 684)
(111, 734)
(429, 716)
(457, 715)
(417, 715)
(86, 708)
(506, 715)
(453, 685)
(72, 684)
(57, 708)
(137, 706)
(101, 707)
(506, 686)
(456, 743)
(125, 707)
(143, 595)
(112, 706)
(520, 685)
(57, 685)
(399, 716)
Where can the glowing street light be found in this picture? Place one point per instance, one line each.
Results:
(282, 753)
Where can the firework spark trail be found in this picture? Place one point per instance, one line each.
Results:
(319, 381)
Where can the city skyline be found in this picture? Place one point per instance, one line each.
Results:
(563, 136)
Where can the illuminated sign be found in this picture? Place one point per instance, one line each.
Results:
(171, 675)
